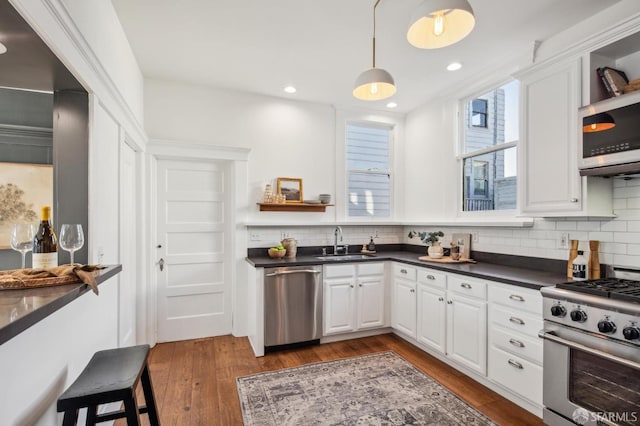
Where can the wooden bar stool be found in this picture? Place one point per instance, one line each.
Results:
(111, 376)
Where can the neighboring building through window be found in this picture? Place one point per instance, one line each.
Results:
(368, 170)
(489, 156)
(479, 113)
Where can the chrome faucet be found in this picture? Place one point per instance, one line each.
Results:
(336, 232)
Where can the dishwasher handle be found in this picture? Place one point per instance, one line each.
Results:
(295, 271)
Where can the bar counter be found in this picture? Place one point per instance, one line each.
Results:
(22, 308)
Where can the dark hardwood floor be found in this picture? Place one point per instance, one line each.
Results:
(194, 380)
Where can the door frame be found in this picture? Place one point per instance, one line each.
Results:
(236, 159)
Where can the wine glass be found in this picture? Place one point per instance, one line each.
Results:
(71, 238)
(22, 238)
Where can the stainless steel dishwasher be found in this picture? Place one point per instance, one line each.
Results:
(292, 305)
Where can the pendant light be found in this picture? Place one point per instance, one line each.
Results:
(440, 23)
(375, 83)
(598, 122)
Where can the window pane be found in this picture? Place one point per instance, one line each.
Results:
(369, 187)
(367, 148)
(369, 194)
(492, 119)
(490, 181)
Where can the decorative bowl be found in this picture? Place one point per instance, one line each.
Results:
(325, 198)
(276, 254)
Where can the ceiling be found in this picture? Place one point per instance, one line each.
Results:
(28, 62)
(320, 47)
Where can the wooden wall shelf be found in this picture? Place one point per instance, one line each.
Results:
(293, 207)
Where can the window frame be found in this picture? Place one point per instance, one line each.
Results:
(344, 115)
(462, 155)
(390, 171)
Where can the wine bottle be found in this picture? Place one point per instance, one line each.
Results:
(45, 243)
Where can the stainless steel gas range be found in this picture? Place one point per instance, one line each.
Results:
(592, 351)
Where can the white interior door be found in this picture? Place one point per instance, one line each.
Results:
(194, 296)
(127, 279)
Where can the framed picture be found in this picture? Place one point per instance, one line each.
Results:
(291, 188)
(464, 242)
(24, 188)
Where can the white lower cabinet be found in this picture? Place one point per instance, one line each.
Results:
(403, 311)
(515, 350)
(354, 296)
(489, 328)
(445, 312)
(467, 322)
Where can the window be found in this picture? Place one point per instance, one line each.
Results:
(368, 170)
(479, 112)
(490, 150)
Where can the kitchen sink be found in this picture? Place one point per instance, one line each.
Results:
(345, 257)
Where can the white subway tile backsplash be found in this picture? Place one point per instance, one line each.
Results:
(601, 236)
(588, 226)
(613, 226)
(627, 237)
(634, 249)
(619, 236)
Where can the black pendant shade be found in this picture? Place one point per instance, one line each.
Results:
(598, 122)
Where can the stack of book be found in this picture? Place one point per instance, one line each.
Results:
(614, 80)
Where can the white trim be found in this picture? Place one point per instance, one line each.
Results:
(173, 149)
(494, 221)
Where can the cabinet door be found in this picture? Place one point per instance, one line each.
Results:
(339, 305)
(370, 301)
(431, 317)
(549, 178)
(404, 306)
(467, 331)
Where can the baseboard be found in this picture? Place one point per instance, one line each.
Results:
(355, 335)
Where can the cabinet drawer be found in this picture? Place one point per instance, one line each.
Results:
(522, 322)
(517, 374)
(370, 269)
(516, 297)
(432, 278)
(516, 343)
(404, 271)
(466, 286)
(332, 271)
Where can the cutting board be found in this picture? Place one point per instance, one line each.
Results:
(445, 259)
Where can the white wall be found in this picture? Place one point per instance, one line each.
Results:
(287, 138)
(431, 172)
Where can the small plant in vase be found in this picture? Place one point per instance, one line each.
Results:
(431, 239)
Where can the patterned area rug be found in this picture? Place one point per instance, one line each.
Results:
(378, 389)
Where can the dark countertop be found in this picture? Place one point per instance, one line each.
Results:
(20, 309)
(508, 274)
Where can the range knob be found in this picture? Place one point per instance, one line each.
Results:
(579, 315)
(606, 326)
(558, 311)
(631, 333)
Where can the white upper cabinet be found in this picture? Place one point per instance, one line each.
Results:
(550, 183)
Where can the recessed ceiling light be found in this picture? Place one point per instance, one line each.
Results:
(454, 66)
(290, 89)
(3, 49)
(392, 105)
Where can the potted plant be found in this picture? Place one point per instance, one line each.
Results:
(431, 239)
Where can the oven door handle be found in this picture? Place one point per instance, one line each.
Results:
(551, 336)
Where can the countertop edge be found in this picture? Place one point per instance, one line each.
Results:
(76, 290)
(535, 284)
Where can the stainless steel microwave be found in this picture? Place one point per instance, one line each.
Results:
(609, 141)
